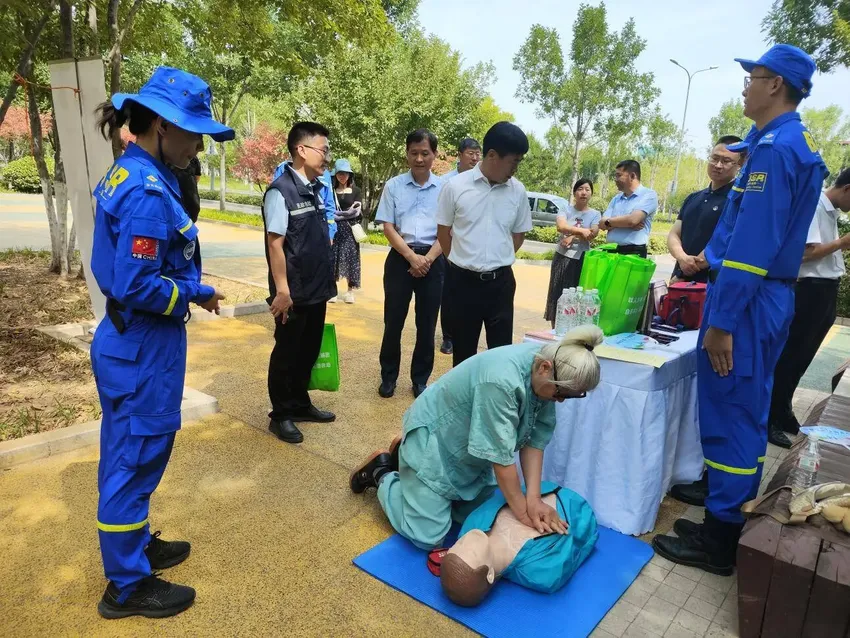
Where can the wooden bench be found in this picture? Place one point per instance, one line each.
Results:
(794, 580)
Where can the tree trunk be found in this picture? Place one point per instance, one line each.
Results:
(222, 178)
(91, 14)
(114, 65)
(66, 22)
(24, 64)
(574, 172)
(56, 240)
(116, 37)
(61, 191)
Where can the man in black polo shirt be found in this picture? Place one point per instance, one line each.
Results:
(700, 213)
(687, 240)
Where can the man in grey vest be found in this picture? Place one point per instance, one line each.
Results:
(301, 278)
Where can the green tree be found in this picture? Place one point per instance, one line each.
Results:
(366, 98)
(730, 120)
(820, 27)
(539, 170)
(829, 128)
(486, 115)
(660, 137)
(594, 93)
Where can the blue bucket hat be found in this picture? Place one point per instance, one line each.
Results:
(342, 166)
(794, 65)
(181, 98)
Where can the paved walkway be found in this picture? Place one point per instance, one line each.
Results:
(274, 527)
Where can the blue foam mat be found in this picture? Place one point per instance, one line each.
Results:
(511, 610)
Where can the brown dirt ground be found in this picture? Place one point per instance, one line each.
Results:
(235, 292)
(44, 384)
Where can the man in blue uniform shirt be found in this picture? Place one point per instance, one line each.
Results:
(327, 196)
(753, 257)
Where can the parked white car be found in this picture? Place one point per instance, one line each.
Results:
(545, 208)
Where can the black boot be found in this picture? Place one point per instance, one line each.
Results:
(164, 554)
(778, 437)
(712, 550)
(693, 493)
(370, 473)
(152, 598)
(683, 527)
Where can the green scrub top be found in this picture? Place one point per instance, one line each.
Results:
(479, 413)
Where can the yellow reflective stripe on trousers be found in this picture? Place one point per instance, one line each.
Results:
(174, 293)
(761, 459)
(731, 470)
(185, 228)
(737, 265)
(132, 527)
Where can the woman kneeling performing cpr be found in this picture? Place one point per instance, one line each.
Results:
(460, 438)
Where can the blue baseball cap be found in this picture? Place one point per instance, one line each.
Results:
(342, 166)
(181, 98)
(794, 65)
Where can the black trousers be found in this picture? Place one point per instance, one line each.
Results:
(814, 314)
(480, 299)
(296, 347)
(399, 287)
(629, 249)
(445, 318)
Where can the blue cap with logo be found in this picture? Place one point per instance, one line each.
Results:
(181, 98)
(794, 65)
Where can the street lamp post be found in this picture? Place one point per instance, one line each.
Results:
(684, 117)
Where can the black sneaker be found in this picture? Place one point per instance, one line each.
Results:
(164, 554)
(152, 598)
(447, 347)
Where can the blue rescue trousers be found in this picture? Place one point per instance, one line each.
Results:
(139, 375)
(733, 410)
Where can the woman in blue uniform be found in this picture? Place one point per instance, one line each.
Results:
(146, 260)
(460, 438)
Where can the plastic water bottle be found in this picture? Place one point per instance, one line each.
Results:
(562, 314)
(805, 472)
(590, 307)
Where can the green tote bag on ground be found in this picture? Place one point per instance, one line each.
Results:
(325, 374)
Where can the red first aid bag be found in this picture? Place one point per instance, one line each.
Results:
(683, 305)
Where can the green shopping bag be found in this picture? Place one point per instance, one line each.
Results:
(597, 267)
(325, 374)
(624, 292)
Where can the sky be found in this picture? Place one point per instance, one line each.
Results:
(697, 34)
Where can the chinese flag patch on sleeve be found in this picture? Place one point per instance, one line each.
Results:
(145, 248)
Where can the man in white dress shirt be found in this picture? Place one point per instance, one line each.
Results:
(468, 156)
(482, 218)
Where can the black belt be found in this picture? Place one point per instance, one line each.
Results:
(115, 308)
(712, 277)
(489, 275)
(819, 281)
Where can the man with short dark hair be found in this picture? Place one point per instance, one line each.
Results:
(701, 211)
(754, 257)
(301, 278)
(629, 216)
(469, 154)
(816, 299)
(414, 265)
(483, 216)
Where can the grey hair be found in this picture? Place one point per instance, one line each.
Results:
(577, 367)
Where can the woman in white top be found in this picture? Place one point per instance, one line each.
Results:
(578, 227)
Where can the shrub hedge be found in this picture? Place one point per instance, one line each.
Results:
(233, 198)
(22, 175)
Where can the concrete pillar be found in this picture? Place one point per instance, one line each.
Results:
(85, 154)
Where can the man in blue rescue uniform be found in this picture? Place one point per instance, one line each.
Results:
(754, 257)
(147, 262)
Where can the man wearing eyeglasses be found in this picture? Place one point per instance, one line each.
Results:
(700, 213)
(754, 257)
(301, 278)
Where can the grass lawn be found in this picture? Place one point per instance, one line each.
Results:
(44, 383)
